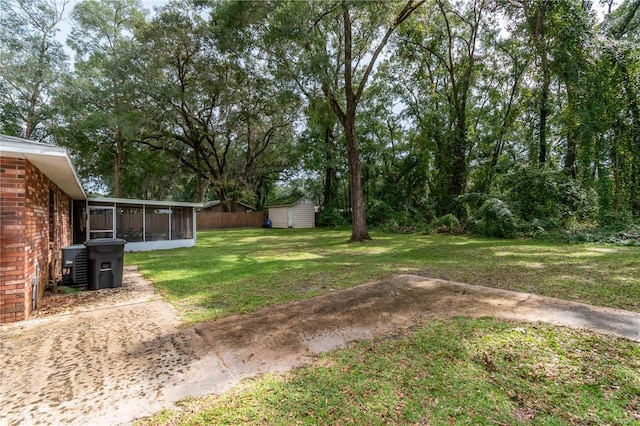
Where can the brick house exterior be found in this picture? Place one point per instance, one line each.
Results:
(43, 207)
(35, 221)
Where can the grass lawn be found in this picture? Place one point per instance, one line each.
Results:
(243, 270)
(460, 371)
(457, 371)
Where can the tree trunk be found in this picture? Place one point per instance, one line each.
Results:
(618, 33)
(31, 114)
(506, 121)
(199, 189)
(117, 167)
(570, 158)
(538, 30)
(572, 134)
(617, 184)
(261, 191)
(228, 204)
(544, 112)
(634, 145)
(359, 225)
(634, 108)
(329, 171)
(348, 119)
(221, 191)
(459, 169)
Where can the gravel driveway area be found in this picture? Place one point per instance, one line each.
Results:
(116, 359)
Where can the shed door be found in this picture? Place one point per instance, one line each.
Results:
(290, 217)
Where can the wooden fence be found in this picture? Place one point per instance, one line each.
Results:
(216, 220)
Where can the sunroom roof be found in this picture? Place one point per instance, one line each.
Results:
(130, 201)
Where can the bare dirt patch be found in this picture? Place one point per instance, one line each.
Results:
(134, 288)
(277, 338)
(113, 356)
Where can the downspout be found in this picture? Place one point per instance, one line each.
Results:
(194, 224)
(114, 223)
(144, 222)
(87, 227)
(34, 287)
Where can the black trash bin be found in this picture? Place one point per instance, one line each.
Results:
(105, 262)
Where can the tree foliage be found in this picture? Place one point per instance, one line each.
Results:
(32, 63)
(219, 113)
(98, 101)
(506, 115)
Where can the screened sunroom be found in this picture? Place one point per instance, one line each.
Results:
(144, 224)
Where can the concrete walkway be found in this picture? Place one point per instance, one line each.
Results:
(112, 365)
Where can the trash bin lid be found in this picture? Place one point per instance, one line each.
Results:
(73, 247)
(105, 242)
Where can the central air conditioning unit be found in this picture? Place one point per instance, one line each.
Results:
(74, 258)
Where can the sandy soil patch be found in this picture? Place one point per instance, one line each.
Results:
(106, 357)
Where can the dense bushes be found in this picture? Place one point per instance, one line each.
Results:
(494, 219)
(448, 223)
(531, 201)
(379, 213)
(549, 197)
(332, 217)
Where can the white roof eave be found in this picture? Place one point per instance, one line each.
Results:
(291, 204)
(53, 161)
(131, 201)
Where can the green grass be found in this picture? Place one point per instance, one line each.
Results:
(236, 271)
(458, 371)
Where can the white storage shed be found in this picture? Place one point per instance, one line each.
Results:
(296, 213)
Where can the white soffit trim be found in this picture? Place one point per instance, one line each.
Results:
(53, 161)
(133, 202)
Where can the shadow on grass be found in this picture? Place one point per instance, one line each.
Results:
(242, 270)
(446, 371)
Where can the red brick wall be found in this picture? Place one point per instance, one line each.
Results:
(36, 230)
(28, 252)
(12, 240)
(62, 233)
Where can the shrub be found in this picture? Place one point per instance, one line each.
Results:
(494, 219)
(448, 223)
(630, 236)
(577, 204)
(472, 200)
(379, 213)
(329, 216)
(614, 221)
(549, 196)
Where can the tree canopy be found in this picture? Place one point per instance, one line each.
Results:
(501, 115)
